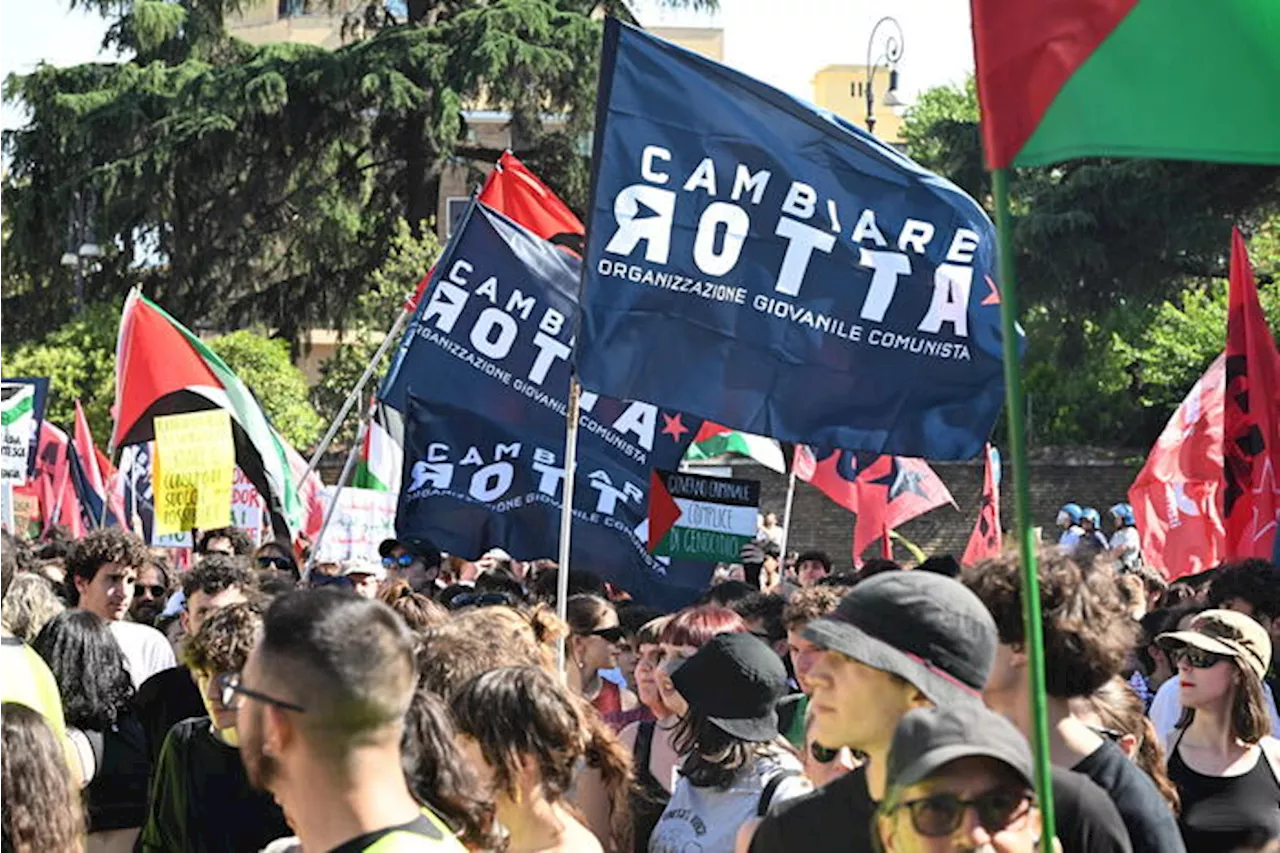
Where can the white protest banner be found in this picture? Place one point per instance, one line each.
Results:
(246, 507)
(362, 519)
(18, 419)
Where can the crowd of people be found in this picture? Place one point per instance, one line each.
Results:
(425, 702)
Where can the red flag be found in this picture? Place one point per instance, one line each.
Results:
(891, 491)
(515, 192)
(99, 473)
(984, 542)
(58, 501)
(1177, 496)
(835, 475)
(1251, 418)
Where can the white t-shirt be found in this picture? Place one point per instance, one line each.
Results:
(1166, 709)
(146, 651)
(706, 820)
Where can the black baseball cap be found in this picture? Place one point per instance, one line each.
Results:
(929, 738)
(418, 546)
(736, 681)
(926, 628)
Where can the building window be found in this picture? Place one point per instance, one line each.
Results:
(455, 206)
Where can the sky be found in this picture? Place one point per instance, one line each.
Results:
(783, 44)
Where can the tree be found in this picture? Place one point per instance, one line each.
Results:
(264, 365)
(260, 186)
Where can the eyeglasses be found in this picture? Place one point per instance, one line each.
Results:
(1198, 658)
(479, 599)
(940, 815)
(610, 635)
(404, 561)
(155, 590)
(232, 690)
(278, 562)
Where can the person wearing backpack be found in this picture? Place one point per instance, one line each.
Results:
(735, 766)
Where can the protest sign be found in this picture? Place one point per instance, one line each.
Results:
(762, 263)
(41, 386)
(472, 484)
(701, 518)
(361, 520)
(18, 420)
(246, 507)
(492, 336)
(193, 469)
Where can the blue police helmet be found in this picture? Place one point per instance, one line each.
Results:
(1091, 515)
(1072, 512)
(1124, 513)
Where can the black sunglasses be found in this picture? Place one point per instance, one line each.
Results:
(232, 690)
(155, 590)
(611, 635)
(940, 815)
(479, 599)
(1198, 658)
(278, 562)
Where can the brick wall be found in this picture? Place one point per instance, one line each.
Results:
(819, 522)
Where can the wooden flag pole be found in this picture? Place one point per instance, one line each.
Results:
(1027, 544)
(566, 515)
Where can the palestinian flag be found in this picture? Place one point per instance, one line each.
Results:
(1167, 79)
(381, 456)
(714, 440)
(164, 369)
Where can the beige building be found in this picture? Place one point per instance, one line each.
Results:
(843, 90)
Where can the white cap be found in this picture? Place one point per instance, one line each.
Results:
(359, 566)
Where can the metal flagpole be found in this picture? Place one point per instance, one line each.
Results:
(337, 493)
(1014, 396)
(786, 516)
(356, 393)
(566, 515)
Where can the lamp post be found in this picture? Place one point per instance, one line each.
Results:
(82, 249)
(889, 58)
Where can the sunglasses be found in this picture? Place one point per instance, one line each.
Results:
(154, 590)
(404, 561)
(479, 599)
(940, 815)
(233, 691)
(278, 562)
(1199, 658)
(611, 635)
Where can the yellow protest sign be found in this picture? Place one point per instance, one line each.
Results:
(193, 471)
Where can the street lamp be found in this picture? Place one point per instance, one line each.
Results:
(83, 249)
(892, 53)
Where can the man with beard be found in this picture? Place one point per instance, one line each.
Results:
(200, 799)
(150, 591)
(320, 713)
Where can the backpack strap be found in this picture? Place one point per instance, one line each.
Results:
(644, 743)
(771, 788)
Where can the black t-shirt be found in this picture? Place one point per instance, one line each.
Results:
(201, 799)
(164, 700)
(837, 818)
(1152, 826)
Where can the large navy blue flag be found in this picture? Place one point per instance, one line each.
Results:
(471, 483)
(763, 263)
(493, 335)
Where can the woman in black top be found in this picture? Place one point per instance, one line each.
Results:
(1222, 757)
(97, 693)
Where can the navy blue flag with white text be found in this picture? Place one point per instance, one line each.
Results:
(764, 264)
(471, 483)
(492, 335)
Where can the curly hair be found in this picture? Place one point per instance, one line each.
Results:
(218, 572)
(813, 602)
(97, 549)
(1088, 631)
(89, 668)
(474, 641)
(1119, 707)
(241, 544)
(224, 640)
(768, 608)
(440, 777)
(1255, 581)
(42, 809)
(29, 604)
(525, 711)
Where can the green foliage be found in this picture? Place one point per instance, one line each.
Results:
(80, 360)
(264, 365)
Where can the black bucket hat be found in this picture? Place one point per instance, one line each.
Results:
(926, 628)
(736, 681)
(927, 739)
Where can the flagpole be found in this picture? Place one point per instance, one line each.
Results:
(337, 493)
(566, 515)
(1027, 545)
(355, 394)
(786, 517)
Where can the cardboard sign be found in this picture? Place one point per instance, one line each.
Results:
(193, 471)
(18, 419)
(246, 507)
(363, 518)
(701, 518)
